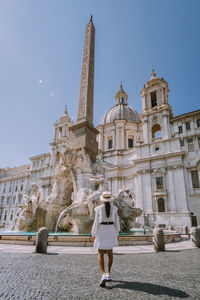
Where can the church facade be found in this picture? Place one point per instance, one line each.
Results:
(154, 155)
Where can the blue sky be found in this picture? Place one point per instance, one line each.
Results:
(41, 46)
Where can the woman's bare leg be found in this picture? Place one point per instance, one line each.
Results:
(110, 260)
(101, 260)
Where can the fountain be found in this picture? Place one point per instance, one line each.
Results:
(78, 185)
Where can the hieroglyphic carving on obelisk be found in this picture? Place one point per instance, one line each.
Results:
(85, 107)
(82, 135)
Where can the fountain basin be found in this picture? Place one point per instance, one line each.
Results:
(80, 240)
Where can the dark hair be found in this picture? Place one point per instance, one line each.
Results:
(107, 208)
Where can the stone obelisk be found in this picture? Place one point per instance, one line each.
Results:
(83, 134)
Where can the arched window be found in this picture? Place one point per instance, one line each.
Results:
(57, 157)
(60, 132)
(161, 205)
(153, 99)
(110, 143)
(156, 131)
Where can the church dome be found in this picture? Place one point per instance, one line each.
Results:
(121, 110)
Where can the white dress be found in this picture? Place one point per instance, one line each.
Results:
(105, 235)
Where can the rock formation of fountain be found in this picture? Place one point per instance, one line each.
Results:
(78, 185)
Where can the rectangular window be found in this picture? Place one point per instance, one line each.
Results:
(2, 199)
(180, 129)
(110, 143)
(130, 143)
(1, 211)
(181, 143)
(199, 141)
(8, 200)
(153, 99)
(187, 125)
(198, 123)
(19, 199)
(190, 144)
(159, 183)
(5, 216)
(195, 179)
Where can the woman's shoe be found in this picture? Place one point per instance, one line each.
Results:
(103, 280)
(108, 278)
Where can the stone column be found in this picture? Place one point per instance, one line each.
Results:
(147, 191)
(120, 136)
(171, 197)
(165, 127)
(101, 138)
(139, 195)
(145, 130)
(180, 190)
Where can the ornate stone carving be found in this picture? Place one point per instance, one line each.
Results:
(145, 171)
(125, 201)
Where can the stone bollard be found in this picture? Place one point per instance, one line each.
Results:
(42, 240)
(158, 240)
(185, 230)
(170, 228)
(195, 236)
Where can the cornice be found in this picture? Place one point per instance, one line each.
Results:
(156, 110)
(186, 115)
(39, 156)
(161, 156)
(14, 178)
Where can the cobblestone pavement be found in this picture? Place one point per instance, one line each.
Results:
(167, 275)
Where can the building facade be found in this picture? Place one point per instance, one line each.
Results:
(155, 155)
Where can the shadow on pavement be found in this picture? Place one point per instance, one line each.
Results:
(150, 288)
(172, 250)
(48, 253)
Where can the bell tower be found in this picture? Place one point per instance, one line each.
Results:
(156, 110)
(83, 133)
(154, 93)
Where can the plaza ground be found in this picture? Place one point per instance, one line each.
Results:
(137, 273)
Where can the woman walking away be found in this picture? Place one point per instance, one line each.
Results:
(105, 233)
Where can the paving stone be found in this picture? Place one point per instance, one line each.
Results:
(167, 275)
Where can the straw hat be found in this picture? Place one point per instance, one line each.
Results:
(106, 197)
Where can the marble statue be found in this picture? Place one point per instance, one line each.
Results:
(124, 200)
(26, 219)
